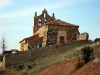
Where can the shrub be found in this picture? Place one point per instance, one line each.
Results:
(21, 67)
(87, 53)
(97, 39)
(30, 67)
(79, 65)
(90, 41)
(56, 46)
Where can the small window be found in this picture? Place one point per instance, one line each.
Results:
(61, 39)
(39, 22)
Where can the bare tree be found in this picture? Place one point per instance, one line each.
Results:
(3, 43)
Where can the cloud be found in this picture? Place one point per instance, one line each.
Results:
(29, 10)
(59, 3)
(18, 13)
(5, 3)
(3, 28)
(13, 14)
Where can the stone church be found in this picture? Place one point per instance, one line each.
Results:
(48, 30)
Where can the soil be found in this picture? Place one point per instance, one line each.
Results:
(63, 68)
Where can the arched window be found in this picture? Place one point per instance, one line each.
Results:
(45, 21)
(39, 22)
(44, 15)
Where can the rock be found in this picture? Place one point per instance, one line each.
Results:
(96, 60)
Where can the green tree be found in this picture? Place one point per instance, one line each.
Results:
(97, 39)
(87, 53)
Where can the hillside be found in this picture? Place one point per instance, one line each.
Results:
(58, 64)
(68, 68)
(64, 68)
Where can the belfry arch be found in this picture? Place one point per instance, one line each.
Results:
(42, 19)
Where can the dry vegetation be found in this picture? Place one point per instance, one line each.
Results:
(58, 64)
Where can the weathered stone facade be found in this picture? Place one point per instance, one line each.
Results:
(83, 36)
(49, 31)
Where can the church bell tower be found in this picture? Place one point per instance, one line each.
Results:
(42, 19)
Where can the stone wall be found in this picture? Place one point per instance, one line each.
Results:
(61, 33)
(23, 57)
(52, 35)
(2, 64)
(70, 32)
(83, 36)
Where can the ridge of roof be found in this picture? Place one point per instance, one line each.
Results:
(60, 22)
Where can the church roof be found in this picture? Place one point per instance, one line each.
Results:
(60, 22)
(31, 38)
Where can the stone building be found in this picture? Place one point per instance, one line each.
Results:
(48, 30)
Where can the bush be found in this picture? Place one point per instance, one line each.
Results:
(87, 53)
(30, 67)
(56, 46)
(90, 41)
(79, 65)
(21, 67)
(97, 39)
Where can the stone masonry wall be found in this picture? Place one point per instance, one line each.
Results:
(2, 64)
(23, 57)
(83, 36)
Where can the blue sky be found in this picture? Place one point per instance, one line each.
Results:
(16, 17)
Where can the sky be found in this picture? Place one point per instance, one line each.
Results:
(17, 17)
